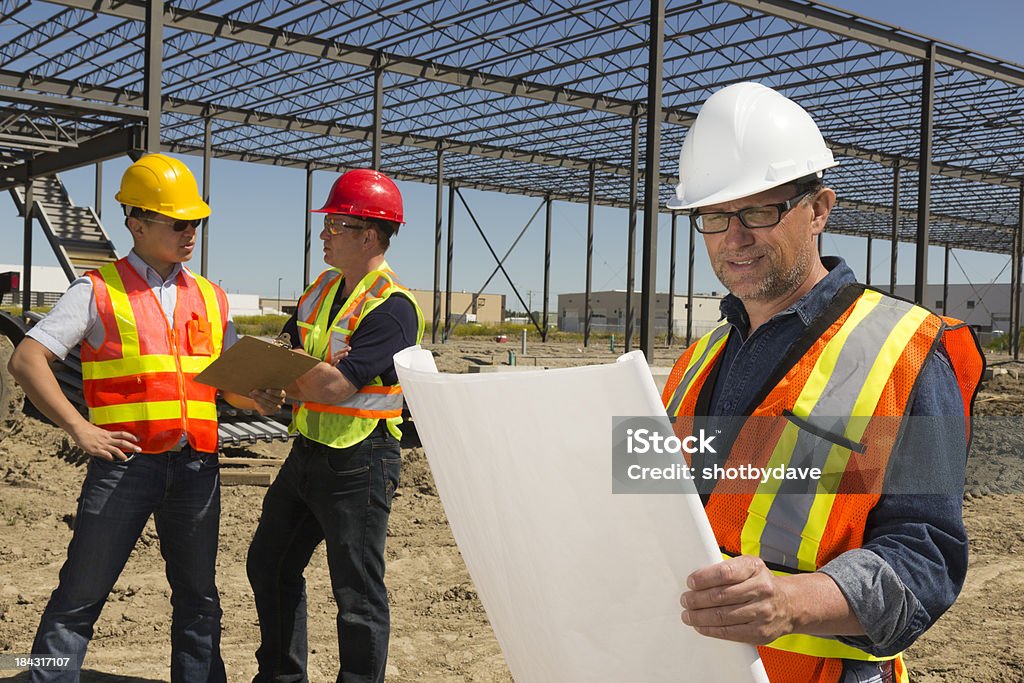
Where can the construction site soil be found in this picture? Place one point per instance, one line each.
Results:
(440, 631)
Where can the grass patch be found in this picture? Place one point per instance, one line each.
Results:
(260, 325)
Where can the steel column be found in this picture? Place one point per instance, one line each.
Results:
(867, 267)
(451, 257)
(689, 288)
(924, 179)
(945, 282)
(895, 226)
(631, 230)
(1013, 288)
(1016, 294)
(308, 226)
(438, 225)
(26, 258)
(153, 66)
(587, 314)
(547, 267)
(207, 153)
(378, 112)
(671, 282)
(652, 179)
(98, 207)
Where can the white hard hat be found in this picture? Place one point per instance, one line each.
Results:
(747, 139)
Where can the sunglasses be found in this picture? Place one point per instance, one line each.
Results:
(179, 225)
(335, 224)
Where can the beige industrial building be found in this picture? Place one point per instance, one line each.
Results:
(466, 307)
(608, 312)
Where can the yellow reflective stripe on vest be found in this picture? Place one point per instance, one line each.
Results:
(212, 312)
(885, 363)
(705, 351)
(142, 365)
(817, 646)
(151, 410)
(786, 528)
(762, 501)
(127, 330)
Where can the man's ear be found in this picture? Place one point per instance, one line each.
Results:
(134, 225)
(822, 206)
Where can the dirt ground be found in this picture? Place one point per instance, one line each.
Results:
(440, 632)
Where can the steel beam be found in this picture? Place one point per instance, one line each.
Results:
(867, 267)
(312, 126)
(895, 227)
(1016, 294)
(99, 148)
(378, 115)
(689, 286)
(945, 283)
(98, 208)
(308, 229)
(438, 218)
(207, 155)
(212, 25)
(885, 36)
(26, 257)
(547, 267)
(587, 312)
(671, 282)
(634, 151)
(924, 181)
(652, 186)
(153, 71)
(451, 258)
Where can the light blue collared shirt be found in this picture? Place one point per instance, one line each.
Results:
(75, 318)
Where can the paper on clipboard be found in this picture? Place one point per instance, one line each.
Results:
(252, 363)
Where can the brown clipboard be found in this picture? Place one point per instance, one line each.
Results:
(252, 363)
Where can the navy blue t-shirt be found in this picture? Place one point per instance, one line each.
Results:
(381, 334)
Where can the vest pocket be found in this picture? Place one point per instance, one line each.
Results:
(200, 337)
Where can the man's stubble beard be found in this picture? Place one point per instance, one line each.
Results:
(776, 284)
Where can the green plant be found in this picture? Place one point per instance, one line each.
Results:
(260, 325)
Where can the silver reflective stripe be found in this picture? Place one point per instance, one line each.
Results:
(713, 337)
(787, 518)
(363, 401)
(307, 305)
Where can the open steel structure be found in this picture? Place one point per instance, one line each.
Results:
(551, 98)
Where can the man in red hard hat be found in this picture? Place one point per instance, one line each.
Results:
(338, 482)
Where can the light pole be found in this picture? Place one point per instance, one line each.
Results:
(279, 294)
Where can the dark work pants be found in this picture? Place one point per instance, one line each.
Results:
(343, 497)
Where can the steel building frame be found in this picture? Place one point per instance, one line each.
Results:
(549, 98)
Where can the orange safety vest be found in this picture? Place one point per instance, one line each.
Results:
(350, 421)
(140, 379)
(862, 369)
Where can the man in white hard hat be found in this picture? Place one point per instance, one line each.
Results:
(835, 572)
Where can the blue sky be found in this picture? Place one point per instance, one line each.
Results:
(256, 229)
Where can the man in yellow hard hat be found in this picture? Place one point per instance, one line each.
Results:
(147, 325)
(847, 408)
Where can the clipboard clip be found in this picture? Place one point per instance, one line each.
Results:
(284, 340)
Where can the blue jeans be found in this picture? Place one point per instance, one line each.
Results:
(342, 496)
(182, 491)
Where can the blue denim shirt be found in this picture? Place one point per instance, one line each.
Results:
(914, 558)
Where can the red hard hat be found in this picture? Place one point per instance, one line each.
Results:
(366, 193)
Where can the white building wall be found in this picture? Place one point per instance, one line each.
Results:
(608, 312)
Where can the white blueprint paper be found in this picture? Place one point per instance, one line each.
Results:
(580, 585)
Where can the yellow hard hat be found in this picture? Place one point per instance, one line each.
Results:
(160, 183)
